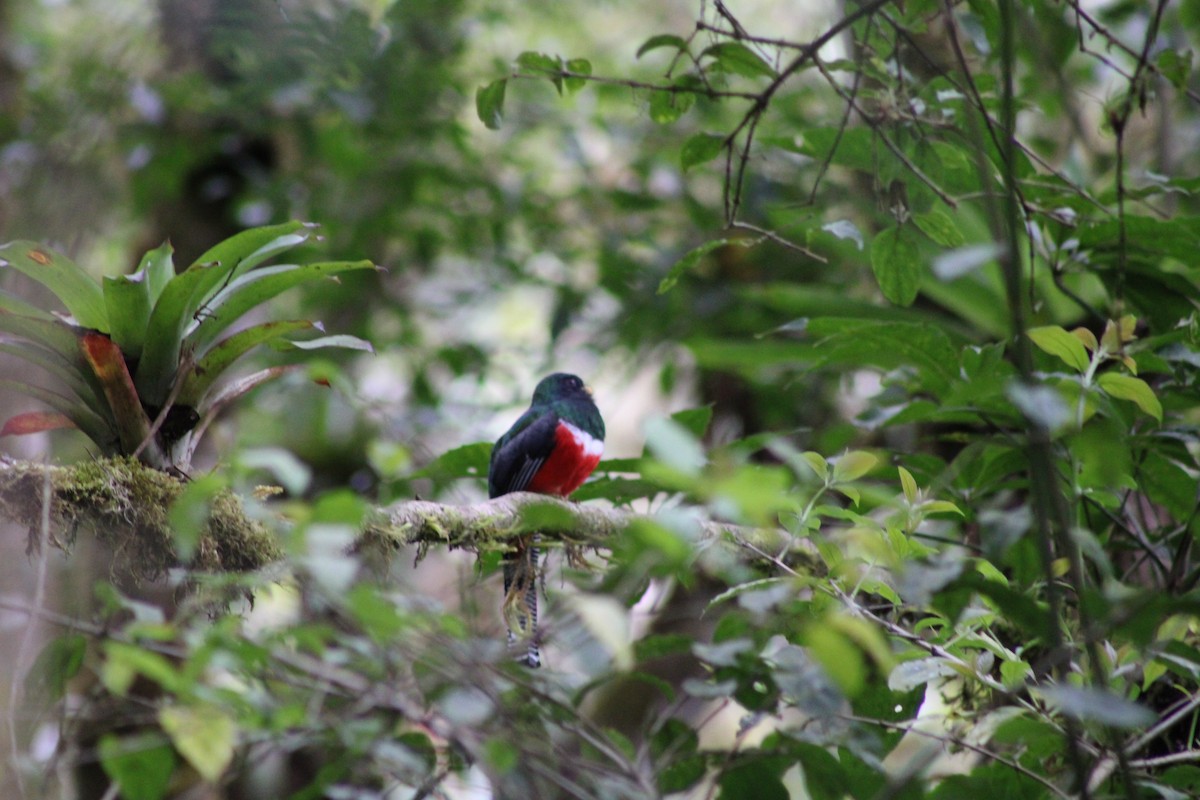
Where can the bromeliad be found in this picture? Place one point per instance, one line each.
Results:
(550, 449)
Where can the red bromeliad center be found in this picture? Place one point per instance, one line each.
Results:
(574, 457)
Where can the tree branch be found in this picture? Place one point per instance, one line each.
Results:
(124, 505)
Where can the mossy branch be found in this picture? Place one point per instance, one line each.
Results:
(124, 505)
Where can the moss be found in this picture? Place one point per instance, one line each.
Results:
(124, 505)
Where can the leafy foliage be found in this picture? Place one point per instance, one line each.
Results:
(931, 275)
(142, 353)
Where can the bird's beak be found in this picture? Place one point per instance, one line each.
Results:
(588, 389)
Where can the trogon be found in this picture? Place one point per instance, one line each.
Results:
(550, 449)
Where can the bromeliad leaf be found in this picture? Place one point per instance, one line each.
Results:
(132, 423)
(128, 301)
(35, 422)
(76, 289)
(214, 363)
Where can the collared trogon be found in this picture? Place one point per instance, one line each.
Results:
(550, 449)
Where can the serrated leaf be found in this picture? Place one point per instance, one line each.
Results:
(700, 148)
(909, 484)
(1127, 387)
(661, 40)
(75, 288)
(489, 103)
(939, 226)
(204, 735)
(735, 57)
(127, 301)
(897, 266)
(1057, 342)
(250, 290)
(854, 465)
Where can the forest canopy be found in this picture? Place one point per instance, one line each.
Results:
(890, 310)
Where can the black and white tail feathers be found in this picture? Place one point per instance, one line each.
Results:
(520, 605)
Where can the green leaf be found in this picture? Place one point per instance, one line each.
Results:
(897, 266)
(695, 420)
(581, 67)
(57, 664)
(75, 288)
(674, 445)
(700, 148)
(467, 461)
(127, 300)
(853, 465)
(203, 734)
(939, 226)
(693, 257)
(338, 340)
(159, 268)
(96, 427)
(751, 781)
(141, 765)
(551, 66)
(1058, 342)
(1175, 66)
(73, 375)
(909, 484)
(667, 106)
(15, 305)
(1127, 387)
(661, 40)
(214, 363)
(189, 512)
(489, 103)
(250, 290)
(735, 57)
(246, 250)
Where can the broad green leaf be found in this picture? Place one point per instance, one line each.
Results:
(214, 363)
(127, 300)
(15, 305)
(170, 317)
(1058, 342)
(860, 342)
(158, 265)
(75, 288)
(467, 461)
(204, 735)
(250, 290)
(1175, 66)
(700, 148)
(661, 40)
(91, 423)
(73, 375)
(897, 266)
(141, 765)
(667, 106)
(549, 65)
(1127, 387)
(853, 465)
(818, 464)
(246, 250)
(696, 420)
(752, 781)
(735, 57)
(580, 67)
(939, 226)
(1087, 338)
(674, 445)
(909, 485)
(489, 103)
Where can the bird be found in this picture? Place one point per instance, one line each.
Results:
(551, 449)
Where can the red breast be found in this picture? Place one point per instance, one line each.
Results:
(573, 458)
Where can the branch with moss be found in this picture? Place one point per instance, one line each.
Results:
(124, 504)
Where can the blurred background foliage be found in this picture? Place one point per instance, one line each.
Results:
(1003, 525)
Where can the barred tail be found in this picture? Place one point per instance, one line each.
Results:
(520, 605)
